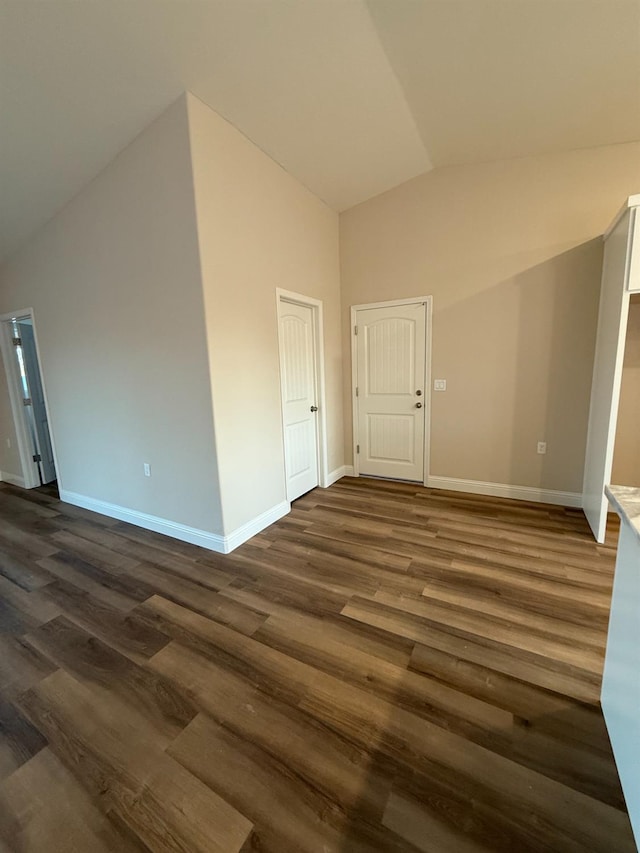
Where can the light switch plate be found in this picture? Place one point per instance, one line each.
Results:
(439, 384)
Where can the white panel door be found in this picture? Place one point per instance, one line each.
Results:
(607, 376)
(390, 394)
(299, 405)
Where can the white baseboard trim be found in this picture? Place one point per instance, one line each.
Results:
(246, 531)
(211, 541)
(12, 478)
(502, 490)
(334, 476)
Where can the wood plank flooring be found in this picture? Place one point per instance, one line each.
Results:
(388, 668)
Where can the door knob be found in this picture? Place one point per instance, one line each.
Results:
(418, 405)
(418, 393)
(314, 408)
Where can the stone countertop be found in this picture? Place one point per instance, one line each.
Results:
(626, 502)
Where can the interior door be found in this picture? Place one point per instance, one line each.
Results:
(607, 375)
(36, 395)
(390, 391)
(299, 402)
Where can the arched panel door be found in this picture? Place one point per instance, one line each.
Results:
(391, 398)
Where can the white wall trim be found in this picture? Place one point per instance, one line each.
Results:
(503, 490)
(251, 528)
(14, 479)
(334, 476)
(211, 541)
(390, 303)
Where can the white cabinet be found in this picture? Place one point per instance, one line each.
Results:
(621, 680)
(633, 274)
(620, 278)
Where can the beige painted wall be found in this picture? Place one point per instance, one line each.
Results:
(626, 457)
(114, 281)
(259, 229)
(511, 253)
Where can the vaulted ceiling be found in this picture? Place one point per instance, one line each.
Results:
(351, 97)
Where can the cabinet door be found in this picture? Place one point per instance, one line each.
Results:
(607, 372)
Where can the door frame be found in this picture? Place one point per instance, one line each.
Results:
(427, 301)
(318, 366)
(30, 471)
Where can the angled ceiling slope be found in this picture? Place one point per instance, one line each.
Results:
(307, 81)
(497, 79)
(350, 97)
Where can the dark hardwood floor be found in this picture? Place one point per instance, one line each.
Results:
(388, 668)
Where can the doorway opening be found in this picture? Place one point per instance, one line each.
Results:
(300, 342)
(28, 399)
(391, 379)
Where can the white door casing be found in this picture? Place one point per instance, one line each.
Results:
(41, 423)
(607, 373)
(391, 400)
(299, 397)
(30, 469)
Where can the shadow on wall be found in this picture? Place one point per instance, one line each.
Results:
(558, 319)
(626, 458)
(518, 358)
